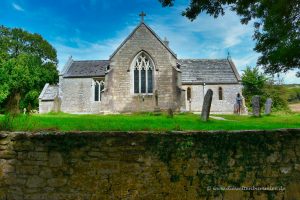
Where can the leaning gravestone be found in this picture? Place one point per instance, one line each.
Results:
(268, 106)
(255, 105)
(206, 105)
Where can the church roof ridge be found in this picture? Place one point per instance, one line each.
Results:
(89, 60)
(151, 30)
(203, 59)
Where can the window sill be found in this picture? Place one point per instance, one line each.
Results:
(141, 94)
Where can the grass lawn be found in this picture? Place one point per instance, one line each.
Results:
(148, 122)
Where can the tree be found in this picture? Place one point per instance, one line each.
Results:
(276, 22)
(253, 82)
(27, 62)
(256, 83)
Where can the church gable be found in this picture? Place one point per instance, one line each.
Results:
(142, 65)
(139, 33)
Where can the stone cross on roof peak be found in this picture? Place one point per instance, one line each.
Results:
(142, 15)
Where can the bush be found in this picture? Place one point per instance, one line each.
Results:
(278, 94)
(256, 83)
(293, 94)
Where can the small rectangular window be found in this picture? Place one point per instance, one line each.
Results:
(96, 91)
(101, 90)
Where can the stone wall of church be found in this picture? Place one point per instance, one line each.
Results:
(78, 96)
(45, 106)
(218, 106)
(120, 84)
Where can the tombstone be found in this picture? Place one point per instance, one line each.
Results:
(268, 106)
(156, 108)
(235, 108)
(255, 105)
(170, 113)
(206, 105)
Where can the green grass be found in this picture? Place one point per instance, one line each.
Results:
(148, 122)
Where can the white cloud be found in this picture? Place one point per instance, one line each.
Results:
(248, 60)
(290, 77)
(85, 50)
(17, 7)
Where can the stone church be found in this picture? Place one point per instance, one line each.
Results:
(143, 74)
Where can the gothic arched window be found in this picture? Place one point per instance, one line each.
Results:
(98, 90)
(188, 93)
(143, 74)
(220, 93)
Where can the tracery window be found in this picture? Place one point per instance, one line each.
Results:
(98, 90)
(143, 74)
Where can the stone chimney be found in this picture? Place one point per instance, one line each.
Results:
(166, 42)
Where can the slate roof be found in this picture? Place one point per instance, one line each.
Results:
(209, 71)
(87, 68)
(49, 92)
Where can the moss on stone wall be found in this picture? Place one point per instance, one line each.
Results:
(175, 165)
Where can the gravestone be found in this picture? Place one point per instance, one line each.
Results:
(268, 106)
(235, 108)
(156, 108)
(170, 113)
(206, 105)
(255, 105)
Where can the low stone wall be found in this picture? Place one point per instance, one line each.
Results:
(175, 165)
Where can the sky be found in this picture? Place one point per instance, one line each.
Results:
(93, 29)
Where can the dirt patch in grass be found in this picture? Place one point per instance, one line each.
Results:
(295, 107)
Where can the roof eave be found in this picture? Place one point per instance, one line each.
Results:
(87, 76)
(208, 83)
(234, 69)
(43, 91)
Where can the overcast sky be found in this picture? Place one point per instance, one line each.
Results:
(93, 29)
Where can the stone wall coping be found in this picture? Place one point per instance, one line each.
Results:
(4, 134)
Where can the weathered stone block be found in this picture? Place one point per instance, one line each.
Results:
(35, 182)
(56, 182)
(46, 173)
(39, 156)
(55, 159)
(6, 154)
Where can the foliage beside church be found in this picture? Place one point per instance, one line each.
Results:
(27, 62)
